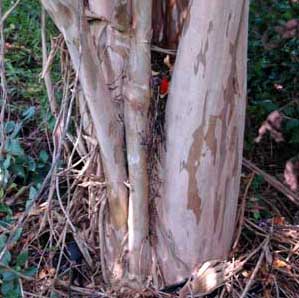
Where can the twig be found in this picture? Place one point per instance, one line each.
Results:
(3, 88)
(293, 197)
(83, 291)
(28, 294)
(102, 238)
(242, 211)
(56, 158)
(46, 75)
(258, 265)
(248, 285)
(164, 51)
(8, 12)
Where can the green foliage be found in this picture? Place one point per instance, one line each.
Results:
(272, 60)
(25, 160)
(23, 56)
(11, 269)
(272, 74)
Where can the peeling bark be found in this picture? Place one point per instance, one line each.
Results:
(109, 132)
(204, 127)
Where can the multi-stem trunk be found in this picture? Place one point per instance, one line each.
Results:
(109, 43)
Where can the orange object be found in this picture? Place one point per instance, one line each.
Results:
(164, 85)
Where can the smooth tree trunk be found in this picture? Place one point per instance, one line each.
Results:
(194, 217)
(137, 101)
(204, 129)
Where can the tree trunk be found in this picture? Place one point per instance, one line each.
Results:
(204, 128)
(137, 92)
(83, 47)
(109, 43)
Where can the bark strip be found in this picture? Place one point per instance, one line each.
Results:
(109, 130)
(137, 92)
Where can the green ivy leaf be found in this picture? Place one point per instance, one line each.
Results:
(5, 209)
(43, 156)
(6, 258)
(13, 147)
(17, 235)
(22, 258)
(267, 105)
(257, 182)
(292, 124)
(31, 164)
(9, 276)
(32, 195)
(9, 127)
(19, 171)
(3, 239)
(7, 287)
(29, 113)
(17, 129)
(30, 272)
(54, 295)
(7, 161)
(257, 215)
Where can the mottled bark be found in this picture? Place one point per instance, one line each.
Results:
(204, 127)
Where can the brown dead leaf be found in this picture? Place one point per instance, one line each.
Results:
(278, 220)
(273, 126)
(291, 173)
(280, 264)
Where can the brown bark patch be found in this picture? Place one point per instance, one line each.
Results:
(228, 23)
(121, 16)
(211, 26)
(224, 202)
(111, 129)
(216, 213)
(210, 136)
(232, 86)
(222, 156)
(202, 58)
(118, 212)
(234, 150)
(66, 15)
(186, 22)
(192, 165)
(118, 154)
(137, 106)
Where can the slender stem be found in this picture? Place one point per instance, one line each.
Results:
(3, 90)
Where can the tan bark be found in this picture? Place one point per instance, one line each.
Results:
(204, 127)
(82, 47)
(137, 91)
